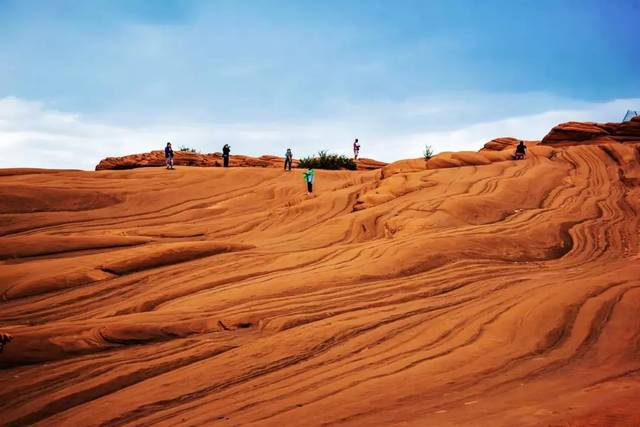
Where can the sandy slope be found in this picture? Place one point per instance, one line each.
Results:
(498, 294)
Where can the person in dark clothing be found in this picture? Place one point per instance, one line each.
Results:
(288, 159)
(168, 155)
(4, 339)
(520, 151)
(226, 150)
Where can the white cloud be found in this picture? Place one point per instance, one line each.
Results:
(32, 135)
(473, 137)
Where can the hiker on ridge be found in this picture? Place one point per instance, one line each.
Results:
(356, 149)
(168, 155)
(226, 150)
(308, 178)
(520, 151)
(288, 159)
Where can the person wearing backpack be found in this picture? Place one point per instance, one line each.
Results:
(288, 159)
(168, 155)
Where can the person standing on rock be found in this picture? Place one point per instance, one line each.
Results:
(168, 155)
(356, 149)
(288, 159)
(226, 150)
(520, 151)
(308, 178)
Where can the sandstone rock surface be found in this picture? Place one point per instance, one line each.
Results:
(185, 158)
(468, 290)
(572, 133)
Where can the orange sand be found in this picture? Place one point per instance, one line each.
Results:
(500, 294)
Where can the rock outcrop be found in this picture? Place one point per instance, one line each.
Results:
(499, 144)
(186, 158)
(572, 133)
(496, 150)
(369, 164)
(500, 149)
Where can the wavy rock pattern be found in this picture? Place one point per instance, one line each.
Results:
(567, 134)
(489, 294)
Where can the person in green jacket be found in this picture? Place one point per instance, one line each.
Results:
(308, 178)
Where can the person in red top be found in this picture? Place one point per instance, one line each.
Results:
(356, 149)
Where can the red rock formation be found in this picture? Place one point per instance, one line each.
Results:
(369, 164)
(572, 133)
(500, 144)
(185, 158)
(497, 295)
(496, 150)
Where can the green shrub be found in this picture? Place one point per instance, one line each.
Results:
(187, 149)
(428, 152)
(324, 160)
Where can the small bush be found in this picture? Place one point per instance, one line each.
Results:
(187, 149)
(324, 160)
(428, 152)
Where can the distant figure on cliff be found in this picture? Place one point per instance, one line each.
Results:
(168, 155)
(356, 149)
(226, 150)
(288, 159)
(4, 339)
(520, 151)
(308, 178)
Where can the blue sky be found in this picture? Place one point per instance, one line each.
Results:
(80, 80)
